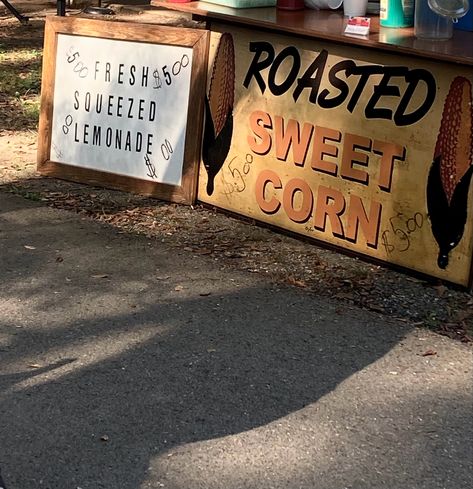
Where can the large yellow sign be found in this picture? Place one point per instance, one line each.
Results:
(365, 150)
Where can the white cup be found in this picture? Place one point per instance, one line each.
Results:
(323, 4)
(355, 8)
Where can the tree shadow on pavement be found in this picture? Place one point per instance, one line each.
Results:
(159, 363)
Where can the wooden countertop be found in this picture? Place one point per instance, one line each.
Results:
(329, 25)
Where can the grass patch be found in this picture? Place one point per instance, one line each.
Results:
(20, 72)
(26, 194)
(31, 109)
(20, 86)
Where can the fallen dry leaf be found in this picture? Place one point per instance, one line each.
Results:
(101, 275)
(34, 365)
(465, 314)
(429, 353)
(296, 282)
(104, 438)
(441, 289)
(178, 288)
(28, 247)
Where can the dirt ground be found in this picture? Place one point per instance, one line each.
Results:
(233, 243)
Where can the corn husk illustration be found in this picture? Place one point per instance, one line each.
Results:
(451, 171)
(218, 128)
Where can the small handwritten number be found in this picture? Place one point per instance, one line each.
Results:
(419, 218)
(175, 70)
(184, 60)
(166, 149)
(237, 183)
(398, 237)
(67, 123)
(415, 222)
(72, 57)
(81, 69)
(178, 65)
(247, 165)
(403, 237)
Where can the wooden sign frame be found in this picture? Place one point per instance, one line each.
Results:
(198, 40)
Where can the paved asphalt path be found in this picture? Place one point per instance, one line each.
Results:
(125, 364)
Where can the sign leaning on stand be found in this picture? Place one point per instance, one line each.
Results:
(115, 105)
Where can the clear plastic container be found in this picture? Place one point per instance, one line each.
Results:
(450, 8)
(429, 25)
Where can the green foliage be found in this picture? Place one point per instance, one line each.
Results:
(34, 196)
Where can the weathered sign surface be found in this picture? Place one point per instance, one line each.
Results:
(364, 150)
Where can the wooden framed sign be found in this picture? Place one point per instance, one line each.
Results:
(122, 104)
(367, 151)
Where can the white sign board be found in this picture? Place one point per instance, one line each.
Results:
(121, 107)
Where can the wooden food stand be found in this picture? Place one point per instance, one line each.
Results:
(362, 143)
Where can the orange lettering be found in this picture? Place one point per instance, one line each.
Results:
(331, 203)
(357, 217)
(263, 145)
(303, 213)
(291, 136)
(321, 149)
(265, 177)
(389, 152)
(352, 142)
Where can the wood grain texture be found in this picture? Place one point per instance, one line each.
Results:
(198, 40)
(329, 25)
(129, 31)
(114, 181)
(47, 95)
(196, 116)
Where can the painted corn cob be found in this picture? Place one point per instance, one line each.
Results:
(218, 128)
(450, 174)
